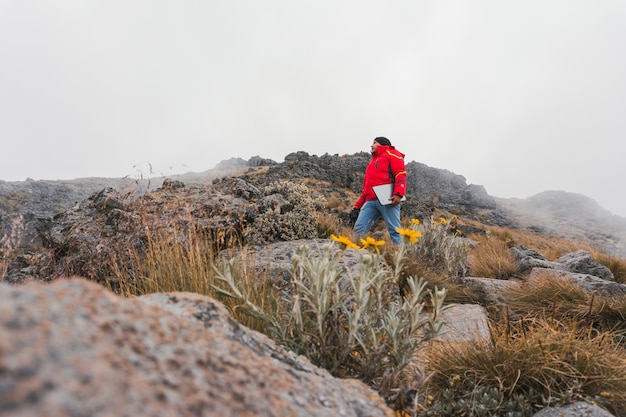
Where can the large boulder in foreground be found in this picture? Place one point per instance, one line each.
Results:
(72, 348)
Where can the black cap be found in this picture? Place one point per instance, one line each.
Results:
(383, 141)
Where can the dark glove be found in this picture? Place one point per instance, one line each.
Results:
(354, 214)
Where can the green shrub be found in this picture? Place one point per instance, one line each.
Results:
(357, 327)
(440, 247)
(295, 218)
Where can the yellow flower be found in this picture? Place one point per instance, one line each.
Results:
(409, 235)
(443, 220)
(370, 242)
(435, 223)
(344, 242)
(415, 221)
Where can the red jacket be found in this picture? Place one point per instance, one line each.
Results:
(387, 166)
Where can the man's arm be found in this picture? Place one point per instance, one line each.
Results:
(398, 170)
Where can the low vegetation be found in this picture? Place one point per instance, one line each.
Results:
(10, 236)
(550, 343)
(533, 364)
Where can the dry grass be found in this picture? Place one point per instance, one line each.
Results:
(491, 258)
(550, 246)
(9, 241)
(537, 363)
(455, 292)
(327, 225)
(335, 203)
(546, 296)
(171, 263)
(175, 262)
(616, 264)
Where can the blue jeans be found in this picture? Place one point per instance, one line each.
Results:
(371, 211)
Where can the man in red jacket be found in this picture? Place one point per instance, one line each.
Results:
(386, 167)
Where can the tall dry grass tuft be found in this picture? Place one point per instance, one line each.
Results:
(521, 369)
(491, 258)
(616, 264)
(172, 261)
(9, 241)
(547, 296)
(327, 225)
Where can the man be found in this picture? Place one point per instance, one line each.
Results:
(386, 167)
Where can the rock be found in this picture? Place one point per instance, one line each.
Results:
(580, 262)
(576, 409)
(72, 348)
(273, 261)
(84, 238)
(170, 184)
(527, 259)
(238, 187)
(257, 161)
(465, 323)
(106, 199)
(490, 289)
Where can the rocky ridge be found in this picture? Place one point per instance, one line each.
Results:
(59, 341)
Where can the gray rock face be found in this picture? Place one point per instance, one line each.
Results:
(579, 262)
(73, 349)
(274, 260)
(446, 189)
(465, 323)
(576, 409)
(527, 259)
(431, 187)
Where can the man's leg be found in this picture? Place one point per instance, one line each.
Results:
(367, 216)
(391, 214)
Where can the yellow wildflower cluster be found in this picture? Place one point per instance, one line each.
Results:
(409, 235)
(371, 243)
(344, 242)
(368, 243)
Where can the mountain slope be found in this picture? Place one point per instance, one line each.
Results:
(570, 215)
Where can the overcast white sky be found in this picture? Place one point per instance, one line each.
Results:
(518, 96)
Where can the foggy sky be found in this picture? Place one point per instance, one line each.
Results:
(521, 97)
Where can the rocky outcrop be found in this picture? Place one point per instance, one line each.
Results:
(108, 225)
(579, 262)
(428, 188)
(73, 349)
